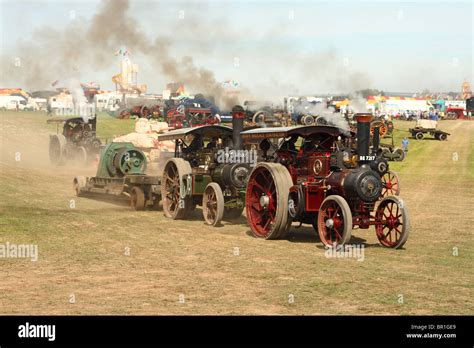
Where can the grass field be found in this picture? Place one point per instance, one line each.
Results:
(101, 258)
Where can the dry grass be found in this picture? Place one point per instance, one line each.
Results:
(82, 250)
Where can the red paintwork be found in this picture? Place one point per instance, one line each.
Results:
(316, 187)
(177, 116)
(389, 215)
(259, 185)
(459, 112)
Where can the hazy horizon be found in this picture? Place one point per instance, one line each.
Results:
(271, 47)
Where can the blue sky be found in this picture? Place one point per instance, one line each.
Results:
(398, 45)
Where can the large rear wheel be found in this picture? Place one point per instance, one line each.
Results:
(378, 124)
(267, 200)
(334, 221)
(57, 149)
(173, 182)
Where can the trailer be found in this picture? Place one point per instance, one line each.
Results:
(121, 173)
(428, 127)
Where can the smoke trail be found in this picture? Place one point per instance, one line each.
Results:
(87, 46)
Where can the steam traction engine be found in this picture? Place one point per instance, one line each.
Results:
(77, 141)
(200, 174)
(190, 112)
(322, 176)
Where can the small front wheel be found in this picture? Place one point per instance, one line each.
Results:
(78, 185)
(392, 222)
(137, 199)
(213, 204)
(334, 221)
(390, 184)
(81, 155)
(398, 155)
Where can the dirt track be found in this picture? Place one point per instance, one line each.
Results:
(83, 250)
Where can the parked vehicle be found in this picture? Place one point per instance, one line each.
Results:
(430, 127)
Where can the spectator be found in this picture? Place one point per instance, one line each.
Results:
(405, 143)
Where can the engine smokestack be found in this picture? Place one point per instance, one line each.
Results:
(363, 135)
(238, 116)
(376, 140)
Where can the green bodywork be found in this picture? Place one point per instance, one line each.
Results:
(200, 181)
(120, 159)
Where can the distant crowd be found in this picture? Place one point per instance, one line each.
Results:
(414, 115)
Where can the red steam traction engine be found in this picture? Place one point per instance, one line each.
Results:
(324, 176)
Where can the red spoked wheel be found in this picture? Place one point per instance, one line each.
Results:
(267, 200)
(392, 222)
(334, 221)
(174, 206)
(390, 184)
(213, 204)
(378, 124)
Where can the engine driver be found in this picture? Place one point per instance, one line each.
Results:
(290, 144)
(196, 144)
(212, 144)
(311, 144)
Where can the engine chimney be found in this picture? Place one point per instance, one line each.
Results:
(238, 116)
(363, 135)
(375, 140)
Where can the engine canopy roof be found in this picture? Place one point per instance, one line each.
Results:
(203, 131)
(285, 132)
